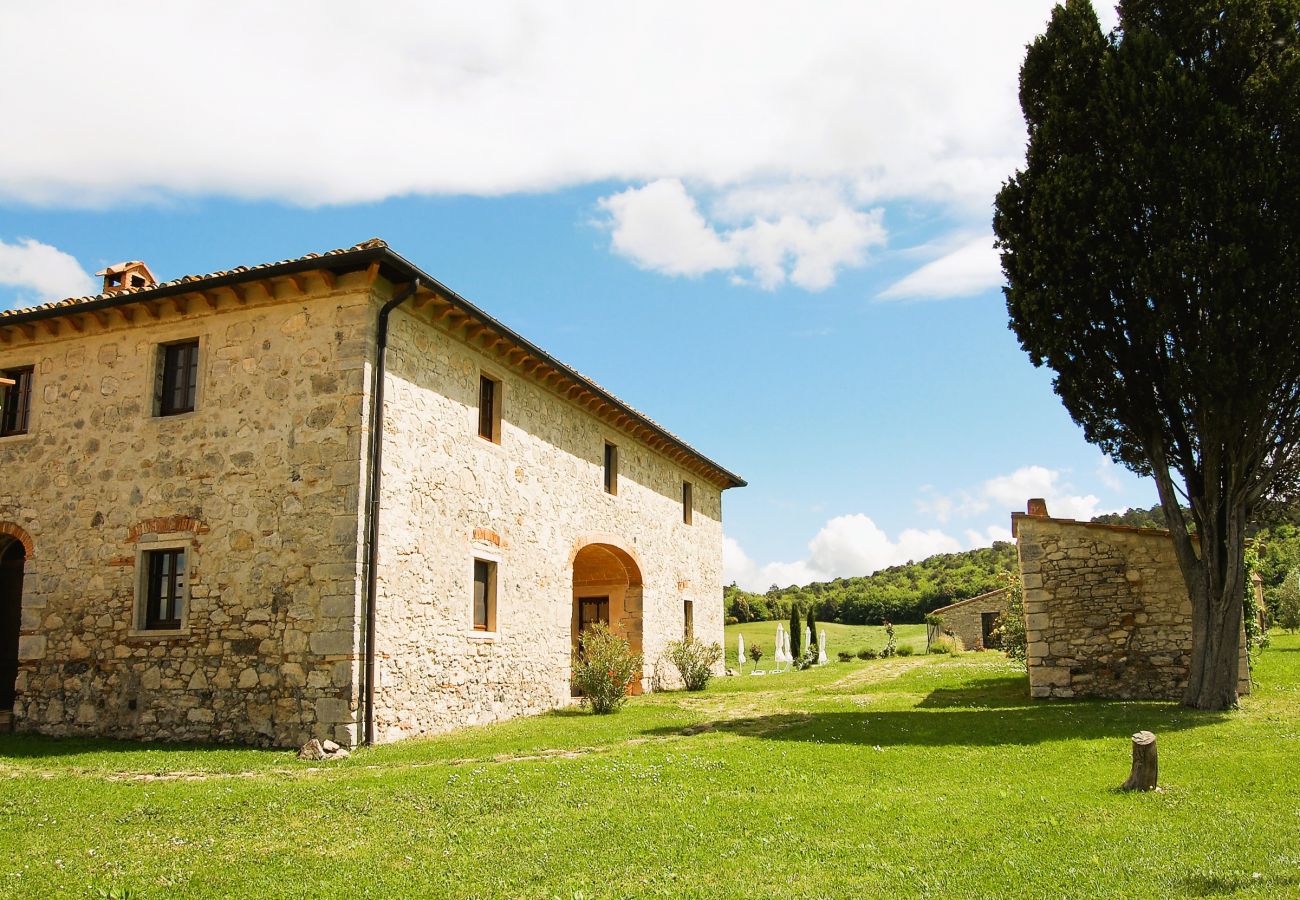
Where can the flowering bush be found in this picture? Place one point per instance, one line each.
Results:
(603, 669)
(695, 660)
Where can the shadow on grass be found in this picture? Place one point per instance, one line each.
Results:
(1220, 885)
(983, 711)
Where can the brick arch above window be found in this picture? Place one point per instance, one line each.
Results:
(165, 525)
(9, 529)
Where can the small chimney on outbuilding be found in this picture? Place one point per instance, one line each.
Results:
(131, 275)
(1038, 508)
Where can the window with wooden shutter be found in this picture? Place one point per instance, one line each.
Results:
(164, 589)
(485, 590)
(489, 409)
(16, 401)
(178, 390)
(611, 468)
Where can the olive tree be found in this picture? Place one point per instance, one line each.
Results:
(1150, 247)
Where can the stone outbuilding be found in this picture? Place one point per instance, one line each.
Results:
(323, 498)
(974, 619)
(1106, 610)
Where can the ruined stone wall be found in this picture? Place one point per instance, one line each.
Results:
(964, 618)
(528, 503)
(260, 483)
(1106, 611)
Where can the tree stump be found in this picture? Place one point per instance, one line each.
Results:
(1143, 776)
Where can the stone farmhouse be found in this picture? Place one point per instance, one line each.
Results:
(326, 497)
(1106, 610)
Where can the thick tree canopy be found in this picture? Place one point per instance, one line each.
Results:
(1151, 246)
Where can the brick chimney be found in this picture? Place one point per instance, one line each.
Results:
(1038, 508)
(131, 275)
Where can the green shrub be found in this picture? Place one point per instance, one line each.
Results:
(905, 650)
(1010, 630)
(695, 660)
(1286, 602)
(867, 653)
(731, 620)
(844, 655)
(603, 668)
(947, 643)
(755, 653)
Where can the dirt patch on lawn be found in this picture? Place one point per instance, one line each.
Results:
(884, 670)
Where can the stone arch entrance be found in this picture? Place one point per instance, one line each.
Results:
(607, 588)
(14, 551)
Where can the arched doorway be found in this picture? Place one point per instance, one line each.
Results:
(607, 588)
(13, 557)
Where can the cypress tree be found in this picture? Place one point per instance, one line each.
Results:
(1149, 245)
(796, 631)
(812, 628)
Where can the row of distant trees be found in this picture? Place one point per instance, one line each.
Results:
(898, 594)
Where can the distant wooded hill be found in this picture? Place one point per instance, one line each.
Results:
(900, 593)
(906, 593)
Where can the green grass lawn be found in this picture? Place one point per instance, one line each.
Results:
(920, 776)
(838, 637)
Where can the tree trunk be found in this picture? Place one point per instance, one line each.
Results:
(1217, 613)
(1214, 574)
(1143, 775)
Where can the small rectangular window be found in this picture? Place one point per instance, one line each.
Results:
(688, 620)
(611, 468)
(164, 589)
(688, 502)
(16, 402)
(485, 595)
(179, 378)
(489, 409)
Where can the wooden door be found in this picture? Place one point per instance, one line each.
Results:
(988, 624)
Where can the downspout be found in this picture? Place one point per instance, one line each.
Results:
(376, 456)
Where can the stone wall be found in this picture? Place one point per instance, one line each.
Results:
(529, 503)
(260, 483)
(965, 618)
(1106, 610)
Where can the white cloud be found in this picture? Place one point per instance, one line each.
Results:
(1005, 494)
(660, 227)
(47, 272)
(970, 268)
(845, 546)
(989, 536)
(313, 104)
(1109, 473)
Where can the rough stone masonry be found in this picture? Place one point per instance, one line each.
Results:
(1106, 610)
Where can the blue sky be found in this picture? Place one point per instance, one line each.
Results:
(787, 263)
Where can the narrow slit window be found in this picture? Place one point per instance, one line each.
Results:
(688, 620)
(489, 409)
(180, 378)
(611, 468)
(485, 595)
(16, 401)
(688, 502)
(164, 589)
